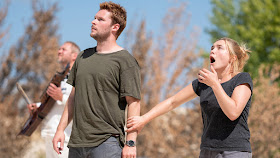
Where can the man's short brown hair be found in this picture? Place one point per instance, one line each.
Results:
(118, 14)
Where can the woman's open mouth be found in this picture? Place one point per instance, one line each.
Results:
(212, 59)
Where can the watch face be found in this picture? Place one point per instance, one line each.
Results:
(131, 143)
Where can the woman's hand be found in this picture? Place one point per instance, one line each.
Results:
(207, 77)
(135, 123)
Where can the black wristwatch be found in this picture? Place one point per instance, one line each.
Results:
(130, 143)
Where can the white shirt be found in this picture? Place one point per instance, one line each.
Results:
(51, 121)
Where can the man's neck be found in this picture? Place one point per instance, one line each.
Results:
(71, 64)
(107, 46)
(63, 66)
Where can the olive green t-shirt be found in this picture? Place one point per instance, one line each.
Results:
(101, 83)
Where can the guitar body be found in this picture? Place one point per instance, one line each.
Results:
(47, 104)
(31, 124)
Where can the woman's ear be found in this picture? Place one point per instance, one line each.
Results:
(233, 58)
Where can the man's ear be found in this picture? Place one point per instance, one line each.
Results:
(74, 56)
(115, 27)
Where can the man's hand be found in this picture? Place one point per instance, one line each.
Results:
(129, 152)
(32, 108)
(54, 92)
(58, 138)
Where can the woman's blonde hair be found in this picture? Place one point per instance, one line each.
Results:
(239, 51)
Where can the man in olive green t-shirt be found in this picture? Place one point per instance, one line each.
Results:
(105, 80)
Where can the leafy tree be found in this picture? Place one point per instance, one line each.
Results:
(256, 22)
(253, 22)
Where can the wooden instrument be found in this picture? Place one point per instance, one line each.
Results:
(47, 104)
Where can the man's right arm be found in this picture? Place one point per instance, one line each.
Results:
(66, 118)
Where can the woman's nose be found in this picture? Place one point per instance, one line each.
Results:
(212, 51)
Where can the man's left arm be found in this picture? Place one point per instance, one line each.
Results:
(129, 150)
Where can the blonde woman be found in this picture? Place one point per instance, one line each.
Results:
(225, 98)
